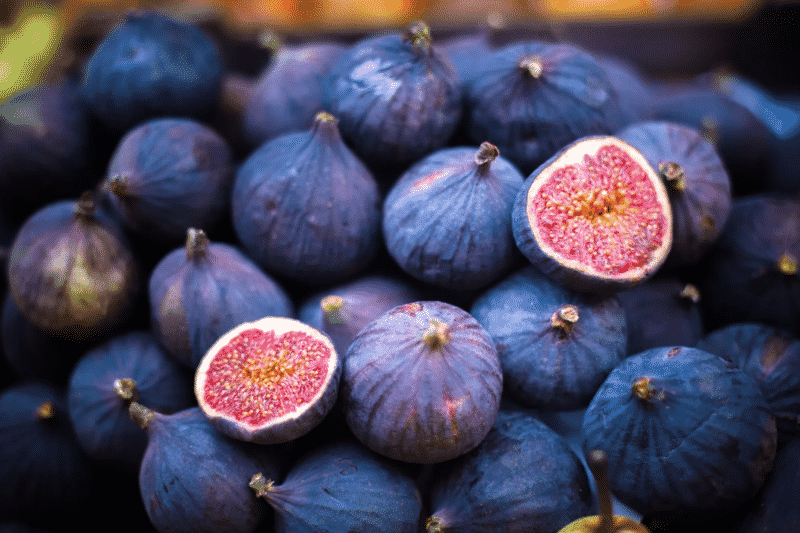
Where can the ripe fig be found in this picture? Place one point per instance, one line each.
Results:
(149, 66)
(342, 486)
(167, 175)
(193, 479)
(422, 383)
(202, 290)
(268, 381)
(447, 220)
(71, 270)
(595, 217)
(305, 207)
(397, 98)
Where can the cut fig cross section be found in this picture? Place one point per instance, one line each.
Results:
(595, 217)
(268, 381)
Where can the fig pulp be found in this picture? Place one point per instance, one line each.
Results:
(268, 381)
(595, 217)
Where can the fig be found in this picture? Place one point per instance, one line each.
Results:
(688, 435)
(523, 477)
(632, 87)
(204, 289)
(447, 220)
(771, 357)
(268, 381)
(289, 92)
(45, 148)
(305, 207)
(151, 65)
(556, 346)
(396, 96)
(106, 379)
(662, 311)
(595, 217)
(752, 270)
(167, 175)
(71, 271)
(342, 486)
(194, 479)
(343, 311)
(698, 184)
(532, 98)
(46, 476)
(422, 383)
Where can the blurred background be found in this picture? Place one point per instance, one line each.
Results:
(664, 38)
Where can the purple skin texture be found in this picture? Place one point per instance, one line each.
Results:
(422, 383)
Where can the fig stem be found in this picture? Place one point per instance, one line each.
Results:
(85, 206)
(565, 318)
(331, 306)
(196, 244)
(118, 184)
(787, 264)
(46, 411)
(673, 175)
(433, 524)
(532, 65)
(419, 35)
(485, 155)
(643, 389)
(437, 334)
(598, 463)
(261, 485)
(690, 292)
(126, 389)
(269, 40)
(141, 414)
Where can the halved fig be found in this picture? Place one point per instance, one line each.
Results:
(268, 381)
(595, 217)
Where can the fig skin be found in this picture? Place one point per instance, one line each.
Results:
(396, 96)
(193, 479)
(204, 289)
(421, 383)
(548, 362)
(341, 485)
(149, 66)
(523, 477)
(447, 220)
(71, 270)
(688, 435)
(168, 175)
(306, 208)
(98, 402)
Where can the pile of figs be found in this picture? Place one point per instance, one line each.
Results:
(403, 282)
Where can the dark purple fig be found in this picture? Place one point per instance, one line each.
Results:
(204, 289)
(46, 476)
(71, 270)
(772, 358)
(632, 88)
(397, 98)
(447, 220)
(556, 346)
(688, 435)
(289, 92)
(149, 66)
(775, 506)
(662, 311)
(595, 217)
(305, 207)
(44, 146)
(698, 184)
(268, 381)
(422, 383)
(342, 486)
(34, 354)
(343, 311)
(168, 175)
(752, 273)
(194, 479)
(533, 98)
(523, 477)
(739, 138)
(106, 379)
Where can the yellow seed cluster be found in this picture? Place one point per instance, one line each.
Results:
(602, 212)
(258, 377)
